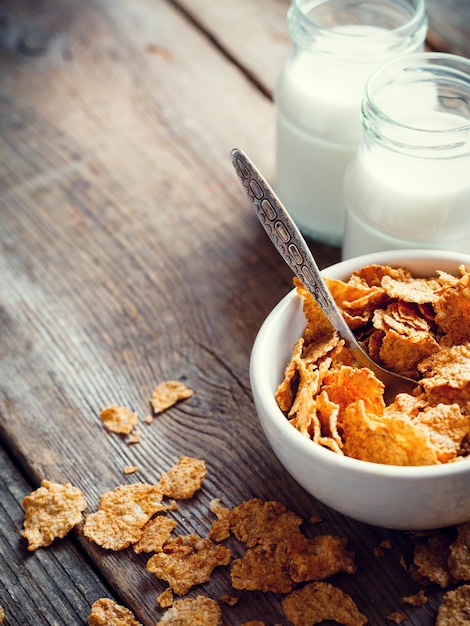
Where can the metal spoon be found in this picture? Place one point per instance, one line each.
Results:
(293, 248)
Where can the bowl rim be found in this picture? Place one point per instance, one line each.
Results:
(264, 396)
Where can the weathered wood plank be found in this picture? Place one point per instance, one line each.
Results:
(449, 26)
(50, 586)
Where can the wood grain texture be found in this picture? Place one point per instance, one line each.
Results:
(55, 584)
(130, 256)
(448, 26)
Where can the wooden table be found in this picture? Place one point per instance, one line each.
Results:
(130, 256)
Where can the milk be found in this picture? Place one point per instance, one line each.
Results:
(308, 180)
(412, 198)
(318, 123)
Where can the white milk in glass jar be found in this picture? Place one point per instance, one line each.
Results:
(336, 45)
(408, 185)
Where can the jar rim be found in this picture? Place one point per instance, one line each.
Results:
(302, 8)
(448, 70)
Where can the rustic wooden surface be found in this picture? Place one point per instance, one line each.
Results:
(130, 256)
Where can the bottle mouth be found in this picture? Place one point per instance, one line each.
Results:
(331, 25)
(420, 103)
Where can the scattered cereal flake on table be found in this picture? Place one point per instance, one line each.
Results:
(417, 599)
(187, 561)
(230, 600)
(263, 568)
(133, 438)
(107, 612)
(118, 419)
(255, 521)
(51, 511)
(183, 479)
(397, 617)
(431, 560)
(165, 599)
(254, 623)
(148, 419)
(122, 515)
(459, 558)
(155, 534)
(130, 469)
(220, 529)
(144, 496)
(200, 611)
(318, 558)
(319, 601)
(455, 608)
(114, 532)
(2, 615)
(168, 393)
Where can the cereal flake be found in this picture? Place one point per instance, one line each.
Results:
(318, 558)
(168, 393)
(51, 511)
(264, 567)
(155, 534)
(455, 608)
(122, 515)
(165, 599)
(397, 617)
(320, 601)
(183, 479)
(107, 612)
(200, 611)
(220, 529)
(118, 419)
(187, 561)
(255, 521)
(459, 557)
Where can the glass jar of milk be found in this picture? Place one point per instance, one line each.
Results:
(336, 45)
(409, 183)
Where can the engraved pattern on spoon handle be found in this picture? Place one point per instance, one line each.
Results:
(287, 239)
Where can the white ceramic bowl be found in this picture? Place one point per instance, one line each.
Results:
(407, 498)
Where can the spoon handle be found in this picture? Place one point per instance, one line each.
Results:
(288, 240)
(293, 248)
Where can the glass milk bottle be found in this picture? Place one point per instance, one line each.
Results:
(409, 183)
(336, 45)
